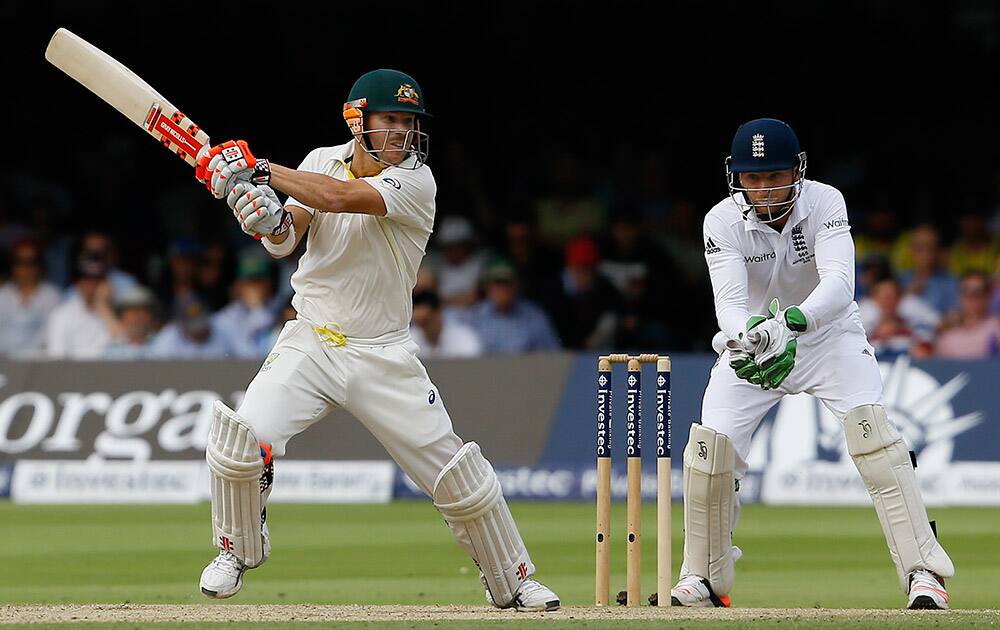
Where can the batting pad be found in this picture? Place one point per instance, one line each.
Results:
(468, 495)
(710, 506)
(884, 462)
(236, 467)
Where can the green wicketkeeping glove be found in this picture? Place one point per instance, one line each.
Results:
(772, 342)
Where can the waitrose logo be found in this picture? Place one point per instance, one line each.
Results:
(759, 258)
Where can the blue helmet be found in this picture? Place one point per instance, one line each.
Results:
(762, 145)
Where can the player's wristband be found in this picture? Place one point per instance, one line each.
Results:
(261, 175)
(283, 248)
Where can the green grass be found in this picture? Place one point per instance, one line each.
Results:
(402, 553)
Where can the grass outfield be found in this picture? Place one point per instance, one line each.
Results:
(402, 553)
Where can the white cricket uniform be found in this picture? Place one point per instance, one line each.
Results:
(356, 276)
(810, 263)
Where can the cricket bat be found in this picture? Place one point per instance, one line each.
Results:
(122, 89)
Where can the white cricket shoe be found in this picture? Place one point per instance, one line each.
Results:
(223, 577)
(531, 596)
(927, 591)
(695, 592)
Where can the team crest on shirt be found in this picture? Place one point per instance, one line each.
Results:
(406, 94)
(800, 246)
(268, 361)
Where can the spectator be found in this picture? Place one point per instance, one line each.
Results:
(929, 280)
(973, 333)
(180, 283)
(507, 323)
(917, 314)
(191, 334)
(639, 323)
(99, 245)
(25, 302)
(82, 325)
(439, 336)
(460, 265)
(587, 300)
(214, 275)
(892, 335)
(12, 230)
(247, 321)
(974, 250)
(682, 238)
(568, 211)
(426, 280)
(535, 263)
(880, 237)
(136, 311)
(872, 268)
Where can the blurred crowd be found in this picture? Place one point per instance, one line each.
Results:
(572, 272)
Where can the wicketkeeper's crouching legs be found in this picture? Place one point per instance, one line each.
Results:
(711, 509)
(884, 463)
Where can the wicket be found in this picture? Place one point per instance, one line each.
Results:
(633, 451)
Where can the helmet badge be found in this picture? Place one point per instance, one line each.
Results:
(757, 145)
(406, 94)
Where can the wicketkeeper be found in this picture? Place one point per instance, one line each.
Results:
(781, 258)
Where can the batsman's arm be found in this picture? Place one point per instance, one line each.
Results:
(327, 194)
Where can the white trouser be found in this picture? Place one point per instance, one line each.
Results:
(384, 386)
(836, 366)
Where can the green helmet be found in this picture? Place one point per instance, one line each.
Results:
(387, 91)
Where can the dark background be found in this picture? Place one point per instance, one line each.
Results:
(893, 101)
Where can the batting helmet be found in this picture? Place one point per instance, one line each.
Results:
(388, 91)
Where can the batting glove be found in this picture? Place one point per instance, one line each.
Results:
(258, 210)
(223, 166)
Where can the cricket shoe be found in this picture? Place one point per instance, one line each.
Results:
(696, 592)
(927, 591)
(531, 596)
(223, 577)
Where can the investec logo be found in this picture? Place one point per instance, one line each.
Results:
(602, 417)
(633, 433)
(662, 398)
(759, 258)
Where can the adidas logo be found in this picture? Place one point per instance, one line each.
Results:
(710, 247)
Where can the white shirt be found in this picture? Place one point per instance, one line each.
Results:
(810, 263)
(75, 331)
(457, 340)
(22, 323)
(358, 270)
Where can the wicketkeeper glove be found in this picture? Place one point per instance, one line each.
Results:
(771, 341)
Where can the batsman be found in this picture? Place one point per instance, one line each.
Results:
(366, 210)
(781, 258)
